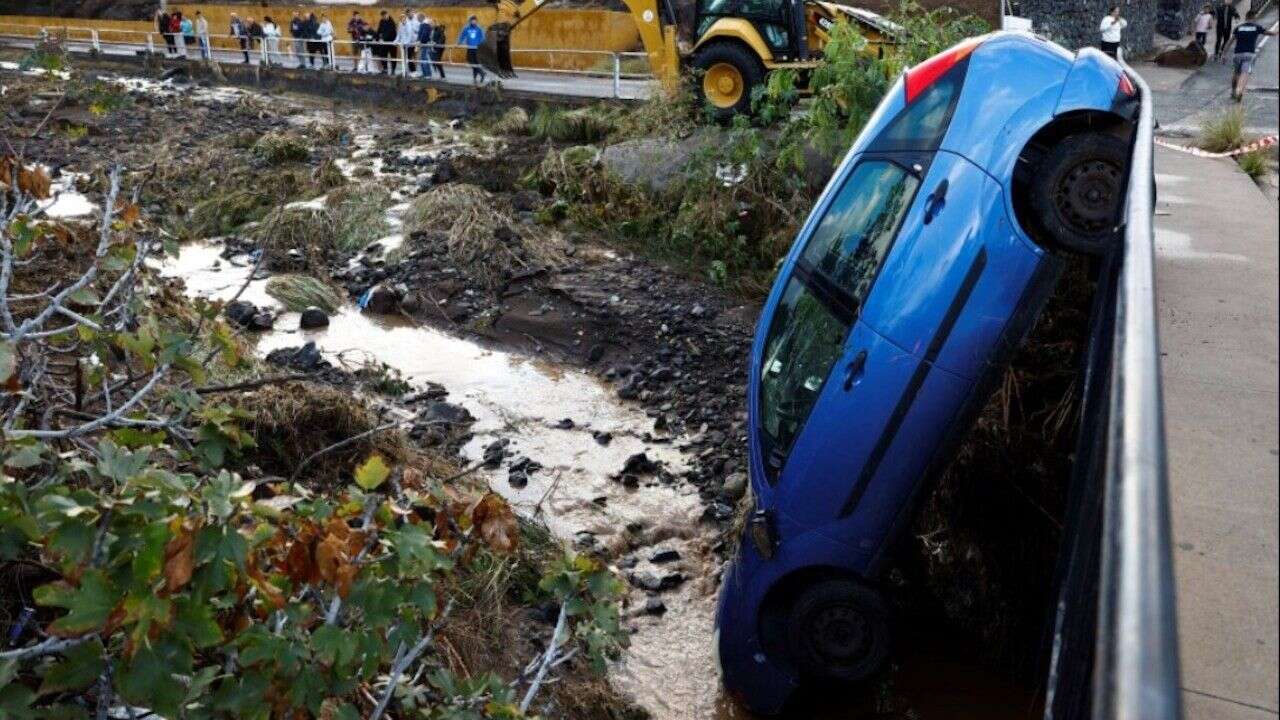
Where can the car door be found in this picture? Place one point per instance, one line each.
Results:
(827, 384)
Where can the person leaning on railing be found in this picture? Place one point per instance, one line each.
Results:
(202, 35)
(386, 43)
(237, 31)
(356, 29)
(270, 40)
(324, 39)
(297, 32)
(470, 38)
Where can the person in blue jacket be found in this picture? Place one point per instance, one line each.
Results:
(471, 37)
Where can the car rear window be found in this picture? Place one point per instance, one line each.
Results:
(921, 126)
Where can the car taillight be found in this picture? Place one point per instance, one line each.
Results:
(1126, 86)
(920, 77)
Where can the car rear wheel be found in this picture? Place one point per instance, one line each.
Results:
(728, 73)
(1077, 190)
(838, 630)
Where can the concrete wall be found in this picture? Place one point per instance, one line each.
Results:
(553, 28)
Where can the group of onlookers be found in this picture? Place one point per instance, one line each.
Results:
(417, 41)
(174, 27)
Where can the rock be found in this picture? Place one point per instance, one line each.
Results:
(306, 358)
(671, 581)
(650, 162)
(565, 424)
(380, 299)
(595, 353)
(653, 605)
(240, 312)
(261, 320)
(494, 452)
(313, 317)
(639, 464)
(602, 437)
(646, 581)
(444, 413)
(519, 470)
(664, 556)
(412, 303)
(735, 486)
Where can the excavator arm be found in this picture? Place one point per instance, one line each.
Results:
(658, 38)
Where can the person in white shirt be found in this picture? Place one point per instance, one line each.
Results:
(271, 39)
(407, 38)
(1203, 24)
(324, 35)
(1111, 27)
(202, 35)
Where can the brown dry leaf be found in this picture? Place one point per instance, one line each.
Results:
(346, 575)
(127, 212)
(411, 478)
(179, 561)
(331, 555)
(493, 519)
(299, 563)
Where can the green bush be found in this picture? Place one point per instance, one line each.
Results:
(1255, 164)
(1224, 132)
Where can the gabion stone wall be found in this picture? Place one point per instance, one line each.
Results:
(1173, 18)
(1074, 23)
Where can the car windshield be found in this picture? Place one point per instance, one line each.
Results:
(818, 307)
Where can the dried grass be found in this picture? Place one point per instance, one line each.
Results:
(299, 292)
(481, 234)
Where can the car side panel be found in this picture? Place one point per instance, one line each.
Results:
(843, 431)
(969, 254)
(1011, 90)
(1092, 85)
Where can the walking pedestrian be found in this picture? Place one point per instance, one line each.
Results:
(324, 40)
(202, 35)
(356, 31)
(424, 45)
(1111, 27)
(386, 42)
(162, 24)
(470, 38)
(1245, 38)
(271, 39)
(241, 34)
(438, 39)
(1204, 22)
(297, 31)
(1224, 18)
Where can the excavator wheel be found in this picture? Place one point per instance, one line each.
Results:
(494, 52)
(727, 74)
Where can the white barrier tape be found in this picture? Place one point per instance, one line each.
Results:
(1258, 144)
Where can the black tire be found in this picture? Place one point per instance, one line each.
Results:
(838, 630)
(730, 53)
(1077, 190)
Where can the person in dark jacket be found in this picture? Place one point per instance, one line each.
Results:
(1224, 18)
(163, 22)
(254, 31)
(356, 29)
(387, 31)
(438, 39)
(315, 48)
(299, 40)
(241, 33)
(425, 29)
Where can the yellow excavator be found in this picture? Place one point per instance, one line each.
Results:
(737, 41)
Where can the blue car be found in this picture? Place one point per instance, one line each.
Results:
(924, 263)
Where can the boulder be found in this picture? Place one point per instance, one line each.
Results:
(312, 318)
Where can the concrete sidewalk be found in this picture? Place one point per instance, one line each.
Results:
(1216, 275)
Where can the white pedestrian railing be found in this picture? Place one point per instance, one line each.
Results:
(350, 56)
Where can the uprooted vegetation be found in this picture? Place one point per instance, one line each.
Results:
(207, 548)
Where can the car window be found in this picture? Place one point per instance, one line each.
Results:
(921, 126)
(852, 239)
(804, 341)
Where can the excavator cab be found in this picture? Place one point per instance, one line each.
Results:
(779, 23)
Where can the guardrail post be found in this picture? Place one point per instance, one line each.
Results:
(264, 58)
(333, 62)
(404, 60)
(617, 75)
(151, 45)
(97, 46)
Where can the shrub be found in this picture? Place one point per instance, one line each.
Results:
(1224, 132)
(299, 292)
(585, 125)
(1255, 164)
(358, 214)
(275, 148)
(223, 212)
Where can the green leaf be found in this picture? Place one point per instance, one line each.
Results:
(85, 296)
(148, 678)
(80, 668)
(372, 472)
(24, 456)
(332, 646)
(133, 438)
(88, 605)
(15, 702)
(150, 556)
(196, 622)
(120, 464)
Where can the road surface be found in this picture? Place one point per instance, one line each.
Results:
(532, 81)
(1216, 283)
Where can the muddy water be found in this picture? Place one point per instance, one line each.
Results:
(669, 668)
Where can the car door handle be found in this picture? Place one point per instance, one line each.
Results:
(935, 202)
(854, 370)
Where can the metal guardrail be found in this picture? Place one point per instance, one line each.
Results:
(344, 56)
(1114, 652)
(1136, 672)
